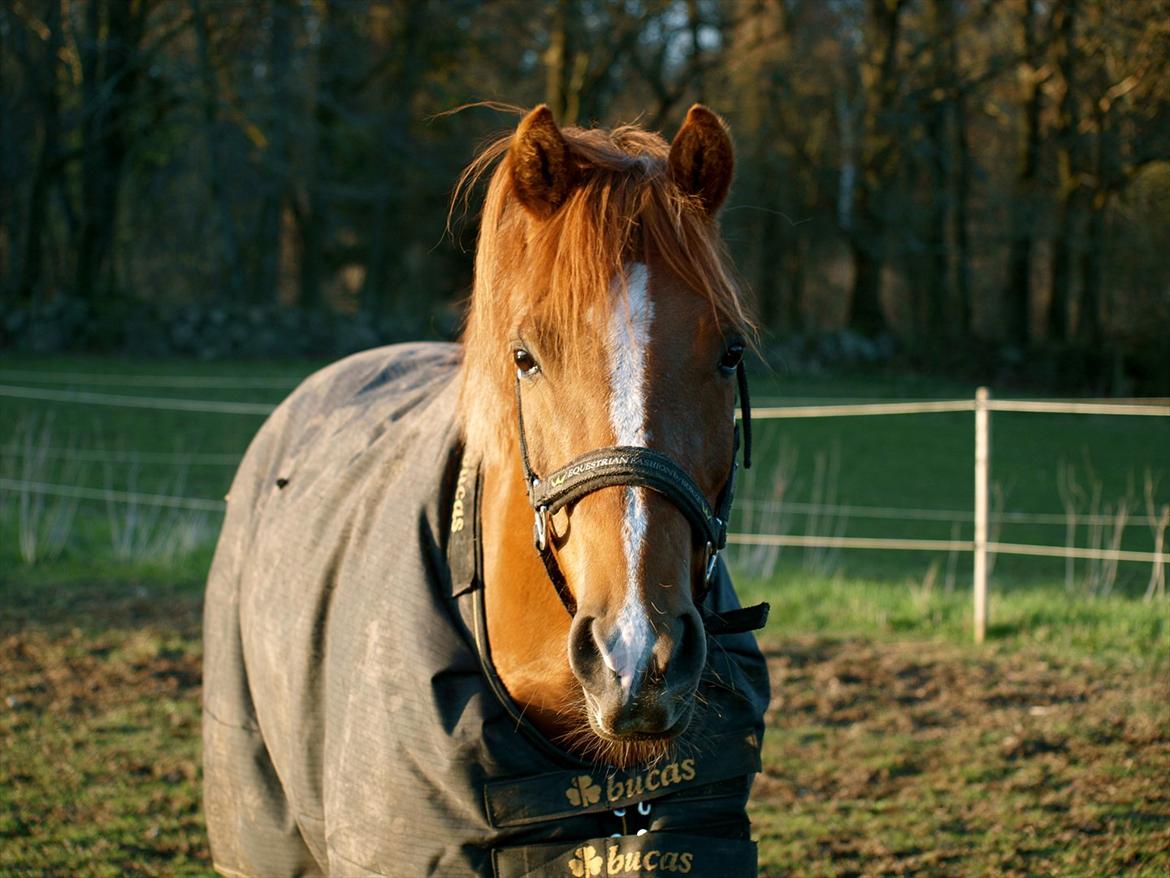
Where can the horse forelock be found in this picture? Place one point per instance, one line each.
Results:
(553, 273)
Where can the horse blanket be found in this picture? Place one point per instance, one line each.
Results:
(353, 723)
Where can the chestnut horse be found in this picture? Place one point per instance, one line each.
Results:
(397, 682)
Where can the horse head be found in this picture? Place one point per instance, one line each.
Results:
(605, 320)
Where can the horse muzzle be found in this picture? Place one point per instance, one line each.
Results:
(639, 678)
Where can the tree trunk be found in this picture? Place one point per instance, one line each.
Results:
(879, 79)
(794, 314)
(375, 286)
(936, 286)
(1090, 330)
(29, 270)
(91, 169)
(564, 71)
(8, 209)
(309, 243)
(227, 256)
(271, 237)
(769, 288)
(307, 197)
(1058, 307)
(695, 24)
(1071, 166)
(1108, 177)
(964, 319)
(866, 314)
(935, 283)
(406, 198)
(1018, 304)
(110, 75)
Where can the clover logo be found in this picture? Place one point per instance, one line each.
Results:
(585, 863)
(583, 792)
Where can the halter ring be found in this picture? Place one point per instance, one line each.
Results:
(540, 528)
(709, 567)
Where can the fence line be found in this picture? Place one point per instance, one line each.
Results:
(762, 413)
(207, 504)
(1156, 410)
(202, 504)
(876, 512)
(1074, 552)
(826, 542)
(96, 456)
(108, 379)
(982, 406)
(862, 409)
(1077, 408)
(911, 545)
(768, 404)
(951, 515)
(155, 403)
(790, 401)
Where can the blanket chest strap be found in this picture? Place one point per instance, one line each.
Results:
(652, 853)
(559, 794)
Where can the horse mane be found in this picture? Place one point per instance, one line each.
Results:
(623, 205)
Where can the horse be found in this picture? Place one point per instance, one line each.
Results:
(467, 613)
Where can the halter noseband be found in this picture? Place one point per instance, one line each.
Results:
(625, 465)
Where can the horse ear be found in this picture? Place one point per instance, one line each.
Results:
(542, 170)
(702, 159)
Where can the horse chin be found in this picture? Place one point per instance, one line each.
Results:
(635, 748)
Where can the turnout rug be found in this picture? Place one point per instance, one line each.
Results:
(353, 723)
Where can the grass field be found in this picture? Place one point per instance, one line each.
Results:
(894, 747)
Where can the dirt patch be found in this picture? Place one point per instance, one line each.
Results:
(894, 759)
(99, 726)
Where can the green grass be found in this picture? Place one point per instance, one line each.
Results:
(1040, 615)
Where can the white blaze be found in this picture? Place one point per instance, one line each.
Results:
(627, 347)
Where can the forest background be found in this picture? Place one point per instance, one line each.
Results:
(967, 186)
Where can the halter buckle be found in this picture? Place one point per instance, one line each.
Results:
(709, 566)
(540, 528)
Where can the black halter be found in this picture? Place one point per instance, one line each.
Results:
(619, 465)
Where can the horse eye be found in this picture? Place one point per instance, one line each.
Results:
(732, 357)
(524, 361)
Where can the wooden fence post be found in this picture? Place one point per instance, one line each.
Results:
(982, 462)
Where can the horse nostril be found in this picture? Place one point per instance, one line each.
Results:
(584, 657)
(655, 677)
(690, 649)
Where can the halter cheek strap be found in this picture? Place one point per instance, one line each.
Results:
(624, 465)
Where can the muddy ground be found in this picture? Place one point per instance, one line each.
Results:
(927, 759)
(882, 758)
